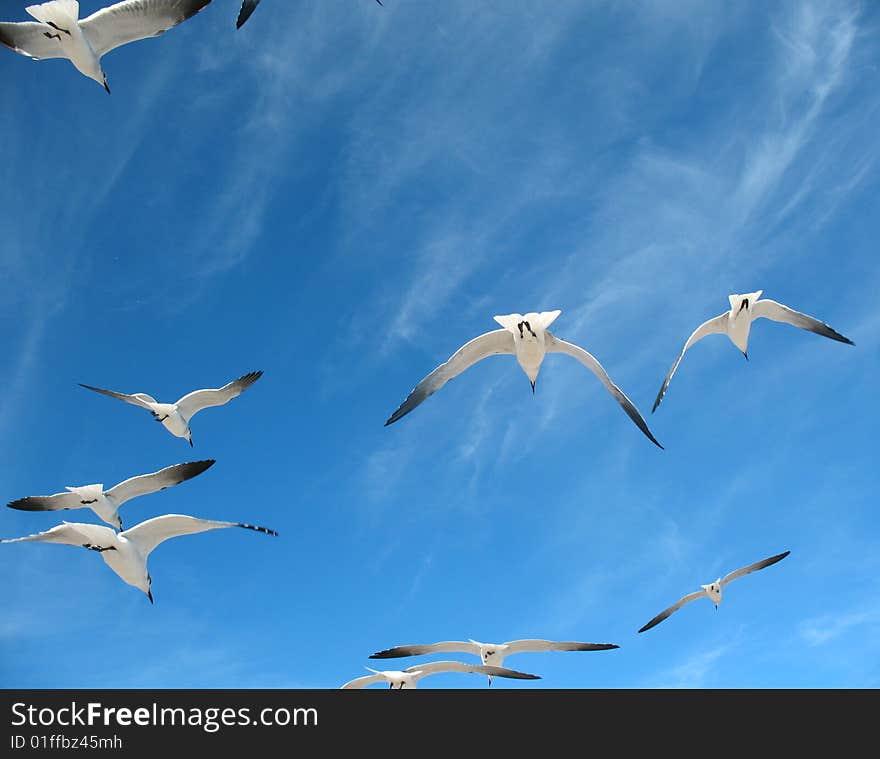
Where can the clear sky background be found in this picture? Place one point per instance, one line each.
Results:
(341, 194)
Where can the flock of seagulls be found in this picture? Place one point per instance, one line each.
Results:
(58, 32)
(126, 551)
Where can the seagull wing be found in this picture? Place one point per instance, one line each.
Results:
(55, 502)
(150, 483)
(195, 401)
(72, 534)
(434, 667)
(770, 309)
(29, 38)
(138, 399)
(490, 344)
(133, 20)
(675, 607)
(363, 682)
(752, 568)
(149, 534)
(554, 345)
(445, 646)
(710, 327)
(247, 7)
(521, 646)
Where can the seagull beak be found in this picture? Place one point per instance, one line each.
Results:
(533, 386)
(106, 87)
(746, 354)
(190, 442)
(150, 595)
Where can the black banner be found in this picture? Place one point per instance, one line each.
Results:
(142, 721)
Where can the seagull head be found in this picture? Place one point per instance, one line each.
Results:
(742, 303)
(713, 590)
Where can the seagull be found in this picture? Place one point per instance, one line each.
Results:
(126, 552)
(410, 677)
(528, 338)
(106, 503)
(737, 322)
(713, 590)
(175, 416)
(491, 654)
(59, 32)
(249, 6)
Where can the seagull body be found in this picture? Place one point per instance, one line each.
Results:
(249, 6)
(528, 338)
(737, 324)
(175, 417)
(712, 590)
(126, 552)
(106, 503)
(59, 32)
(408, 679)
(491, 654)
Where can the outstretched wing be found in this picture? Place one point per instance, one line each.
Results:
(710, 327)
(56, 502)
(31, 39)
(247, 7)
(752, 568)
(492, 343)
(554, 345)
(521, 646)
(195, 401)
(432, 648)
(150, 483)
(434, 667)
(72, 534)
(149, 534)
(675, 607)
(133, 20)
(138, 399)
(363, 682)
(770, 309)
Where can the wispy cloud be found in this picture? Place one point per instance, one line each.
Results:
(817, 631)
(694, 672)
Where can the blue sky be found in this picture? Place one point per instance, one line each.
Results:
(341, 194)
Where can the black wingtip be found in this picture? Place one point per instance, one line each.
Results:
(150, 596)
(257, 528)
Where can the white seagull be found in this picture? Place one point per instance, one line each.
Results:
(175, 416)
(249, 6)
(59, 32)
(737, 323)
(527, 338)
(712, 591)
(106, 503)
(492, 654)
(409, 678)
(126, 552)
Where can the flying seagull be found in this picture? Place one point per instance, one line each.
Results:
(712, 591)
(249, 6)
(126, 552)
(59, 33)
(491, 654)
(737, 322)
(106, 503)
(175, 416)
(527, 338)
(410, 677)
